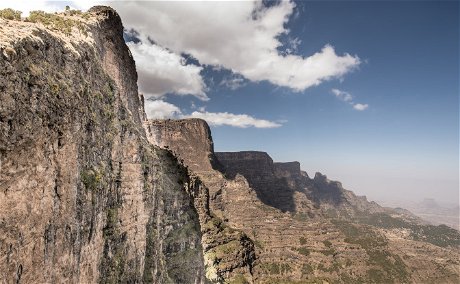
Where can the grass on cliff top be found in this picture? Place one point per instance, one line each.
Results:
(55, 21)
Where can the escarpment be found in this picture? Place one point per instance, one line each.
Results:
(229, 253)
(83, 196)
(303, 229)
(190, 139)
(90, 191)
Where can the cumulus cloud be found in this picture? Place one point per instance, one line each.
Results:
(342, 95)
(240, 36)
(159, 109)
(360, 107)
(236, 120)
(161, 71)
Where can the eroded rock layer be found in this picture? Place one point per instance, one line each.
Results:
(91, 192)
(84, 197)
(309, 229)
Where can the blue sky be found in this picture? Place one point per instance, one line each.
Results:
(264, 77)
(405, 145)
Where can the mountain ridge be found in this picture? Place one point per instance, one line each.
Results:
(290, 202)
(91, 191)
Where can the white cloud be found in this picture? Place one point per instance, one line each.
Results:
(161, 71)
(159, 109)
(347, 97)
(360, 107)
(240, 36)
(233, 82)
(292, 45)
(342, 95)
(236, 120)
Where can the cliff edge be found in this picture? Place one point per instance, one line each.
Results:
(83, 196)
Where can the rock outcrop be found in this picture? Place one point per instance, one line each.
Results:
(229, 253)
(190, 139)
(83, 196)
(259, 170)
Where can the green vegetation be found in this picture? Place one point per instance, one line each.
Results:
(301, 216)
(387, 267)
(327, 243)
(389, 263)
(225, 249)
(303, 251)
(10, 14)
(441, 235)
(274, 268)
(113, 261)
(183, 232)
(112, 219)
(57, 22)
(327, 251)
(334, 268)
(302, 240)
(238, 279)
(91, 179)
(258, 244)
(48, 19)
(307, 269)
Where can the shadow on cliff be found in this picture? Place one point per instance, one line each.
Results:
(270, 189)
(273, 192)
(323, 191)
(276, 183)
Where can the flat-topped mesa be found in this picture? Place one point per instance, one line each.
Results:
(259, 170)
(288, 169)
(189, 139)
(254, 165)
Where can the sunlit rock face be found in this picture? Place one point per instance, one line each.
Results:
(84, 197)
(190, 139)
(90, 191)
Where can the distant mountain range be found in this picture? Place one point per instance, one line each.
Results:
(91, 191)
(430, 210)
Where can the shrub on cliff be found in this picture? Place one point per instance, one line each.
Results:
(57, 22)
(10, 14)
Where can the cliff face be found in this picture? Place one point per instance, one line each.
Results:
(83, 196)
(192, 137)
(303, 229)
(229, 253)
(90, 192)
(258, 168)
